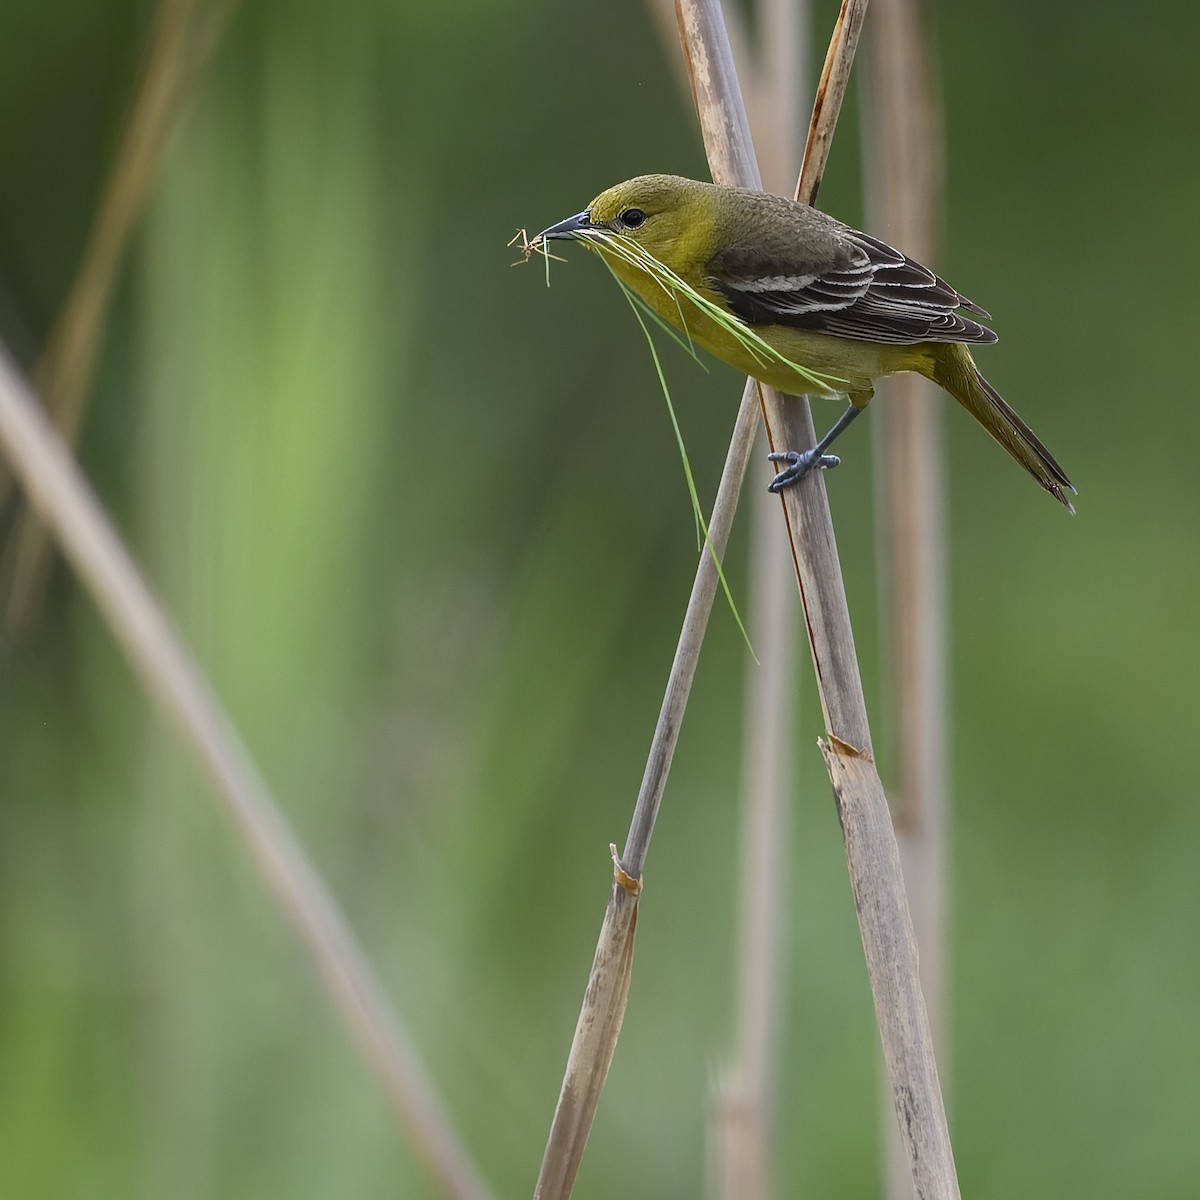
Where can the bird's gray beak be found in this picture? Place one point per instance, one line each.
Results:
(572, 227)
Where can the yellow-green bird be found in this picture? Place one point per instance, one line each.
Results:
(822, 295)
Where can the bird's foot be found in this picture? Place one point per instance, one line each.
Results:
(798, 465)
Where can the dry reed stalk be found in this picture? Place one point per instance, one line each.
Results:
(742, 1123)
(904, 173)
(42, 463)
(180, 43)
(595, 1039)
(871, 852)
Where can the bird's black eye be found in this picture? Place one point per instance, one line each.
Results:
(631, 218)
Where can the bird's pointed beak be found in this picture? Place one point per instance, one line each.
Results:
(572, 227)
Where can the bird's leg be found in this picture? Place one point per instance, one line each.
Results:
(799, 464)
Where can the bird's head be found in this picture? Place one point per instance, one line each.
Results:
(667, 216)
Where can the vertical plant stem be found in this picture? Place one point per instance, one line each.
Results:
(179, 43)
(904, 174)
(831, 90)
(744, 1113)
(871, 852)
(743, 1121)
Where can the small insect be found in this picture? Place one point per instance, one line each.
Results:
(529, 248)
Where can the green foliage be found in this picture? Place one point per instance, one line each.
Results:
(422, 522)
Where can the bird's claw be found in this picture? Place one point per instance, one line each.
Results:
(798, 465)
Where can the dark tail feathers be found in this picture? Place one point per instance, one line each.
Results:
(955, 370)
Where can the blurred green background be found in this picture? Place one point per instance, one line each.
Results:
(424, 523)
